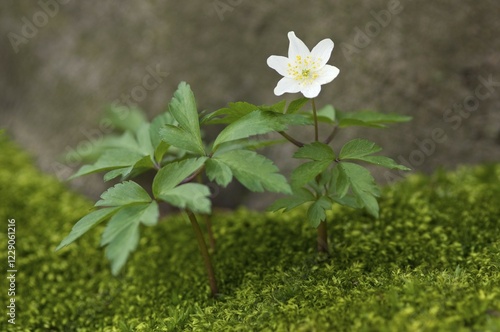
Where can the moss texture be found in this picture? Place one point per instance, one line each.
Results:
(430, 263)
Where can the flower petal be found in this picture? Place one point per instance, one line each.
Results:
(285, 85)
(278, 63)
(311, 91)
(297, 47)
(327, 74)
(323, 51)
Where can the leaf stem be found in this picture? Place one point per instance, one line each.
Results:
(194, 175)
(204, 252)
(331, 136)
(291, 139)
(315, 117)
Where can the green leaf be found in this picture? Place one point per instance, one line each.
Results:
(315, 151)
(120, 248)
(121, 220)
(299, 197)
(384, 162)
(247, 144)
(174, 173)
(182, 139)
(151, 214)
(109, 160)
(193, 196)
(144, 140)
(86, 223)
(159, 122)
(369, 119)
(362, 185)
(358, 148)
(160, 146)
(230, 114)
(124, 193)
(254, 171)
(125, 117)
(279, 107)
(322, 156)
(307, 172)
(218, 171)
(297, 105)
(347, 200)
(257, 122)
(123, 172)
(183, 109)
(327, 114)
(122, 232)
(317, 211)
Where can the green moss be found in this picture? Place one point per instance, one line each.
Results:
(430, 263)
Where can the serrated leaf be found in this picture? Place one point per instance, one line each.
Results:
(369, 119)
(174, 173)
(247, 144)
(160, 146)
(159, 122)
(360, 149)
(86, 223)
(123, 172)
(122, 233)
(151, 214)
(142, 165)
(109, 160)
(122, 219)
(183, 109)
(119, 249)
(327, 114)
(296, 105)
(384, 162)
(362, 185)
(230, 114)
(257, 122)
(357, 148)
(254, 171)
(315, 151)
(125, 117)
(124, 193)
(347, 200)
(299, 197)
(182, 139)
(144, 140)
(317, 211)
(306, 172)
(219, 172)
(192, 196)
(279, 107)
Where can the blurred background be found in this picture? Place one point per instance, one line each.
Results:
(63, 61)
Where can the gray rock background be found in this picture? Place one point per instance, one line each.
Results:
(63, 61)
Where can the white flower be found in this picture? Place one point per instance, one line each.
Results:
(304, 71)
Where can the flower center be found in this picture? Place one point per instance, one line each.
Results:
(304, 69)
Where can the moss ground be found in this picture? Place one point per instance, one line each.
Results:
(430, 263)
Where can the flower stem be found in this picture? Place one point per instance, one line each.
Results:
(315, 117)
(322, 229)
(204, 252)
